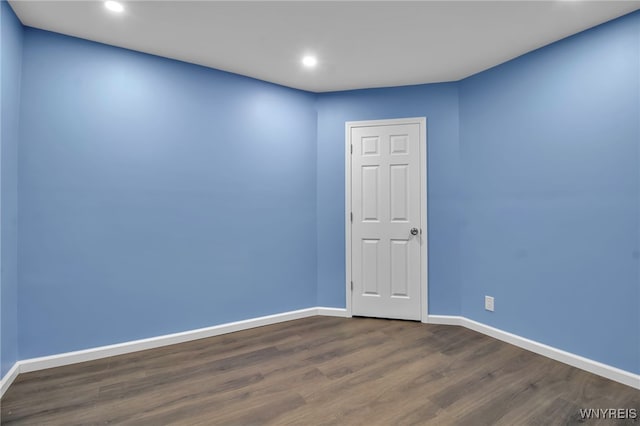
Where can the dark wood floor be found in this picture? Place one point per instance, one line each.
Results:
(320, 371)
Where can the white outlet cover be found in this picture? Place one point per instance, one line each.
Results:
(489, 303)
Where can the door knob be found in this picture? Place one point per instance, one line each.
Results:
(414, 231)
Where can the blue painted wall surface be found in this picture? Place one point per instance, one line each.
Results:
(439, 103)
(549, 158)
(12, 39)
(157, 196)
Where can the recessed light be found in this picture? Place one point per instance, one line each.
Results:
(114, 6)
(309, 61)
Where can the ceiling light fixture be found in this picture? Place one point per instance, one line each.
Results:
(309, 61)
(114, 6)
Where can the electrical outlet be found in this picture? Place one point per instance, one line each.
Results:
(488, 303)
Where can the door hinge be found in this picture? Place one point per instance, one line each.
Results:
(352, 148)
(351, 285)
(351, 215)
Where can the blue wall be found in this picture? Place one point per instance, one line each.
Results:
(11, 47)
(549, 158)
(439, 103)
(157, 196)
(535, 202)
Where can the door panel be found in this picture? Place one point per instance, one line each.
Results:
(385, 200)
(370, 193)
(399, 268)
(399, 202)
(370, 267)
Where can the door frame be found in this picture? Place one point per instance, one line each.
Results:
(424, 246)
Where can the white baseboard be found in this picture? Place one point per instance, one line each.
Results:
(595, 367)
(332, 312)
(41, 363)
(58, 360)
(444, 320)
(8, 378)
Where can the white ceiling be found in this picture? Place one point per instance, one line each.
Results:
(358, 44)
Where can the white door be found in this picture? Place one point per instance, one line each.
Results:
(386, 235)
